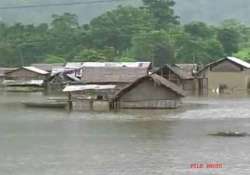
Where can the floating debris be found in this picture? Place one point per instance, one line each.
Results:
(230, 134)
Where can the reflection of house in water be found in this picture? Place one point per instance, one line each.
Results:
(149, 92)
(25, 79)
(184, 76)
(228, 75)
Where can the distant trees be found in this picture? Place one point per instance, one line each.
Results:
(151, 32)
(229, 38)
(155, 46)
(116, 28)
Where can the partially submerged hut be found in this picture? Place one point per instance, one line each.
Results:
(90, 97)
(149, 92)
(57, 82)
(25, 79)
(27, 73)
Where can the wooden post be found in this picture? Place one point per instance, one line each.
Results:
(70, 107)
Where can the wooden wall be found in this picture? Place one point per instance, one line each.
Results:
(149, 95)
(226, 66)
(150, 104)
(148, 90)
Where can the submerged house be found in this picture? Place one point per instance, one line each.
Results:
(90, 97)
(228, 75)
(149, 92)
(184, 76)
(102, 80)
(57, 82)
(25, 79)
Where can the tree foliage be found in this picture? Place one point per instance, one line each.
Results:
(155, 46)
(151, 32)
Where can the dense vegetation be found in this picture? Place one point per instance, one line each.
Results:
(151, 32)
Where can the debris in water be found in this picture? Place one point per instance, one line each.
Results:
(230, 134)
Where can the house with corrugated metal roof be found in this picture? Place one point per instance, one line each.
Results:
(228, 75)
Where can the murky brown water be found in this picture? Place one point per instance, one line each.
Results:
(54, 142)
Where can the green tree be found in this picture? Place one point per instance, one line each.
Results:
(54, 59)
(64, 36)
(155, 46)
(117, 27)
(199, 29)
(230, 40)
(162, 12)
(198, 50)
(243, 53)
(92, 55)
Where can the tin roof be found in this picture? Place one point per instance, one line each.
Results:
(37, 70)
(239, 61)
(21, 82)
(117, 64)
(48, 67)
(74, 88)
(232, 59)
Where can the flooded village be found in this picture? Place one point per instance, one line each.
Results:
(106, 86)
(127, 109)
(124, 87)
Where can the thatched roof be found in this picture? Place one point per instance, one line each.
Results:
(31, 69)
(181, 73)
(112, 74)
(4, 70)
(159, 80)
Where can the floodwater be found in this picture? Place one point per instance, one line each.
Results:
(54, 142)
